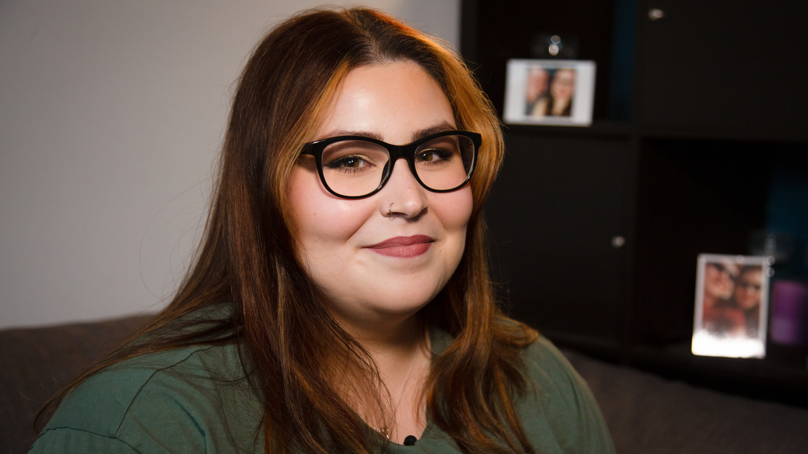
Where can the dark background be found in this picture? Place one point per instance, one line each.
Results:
(699, 138)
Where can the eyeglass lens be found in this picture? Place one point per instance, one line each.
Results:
(356, 167)
(750, 287)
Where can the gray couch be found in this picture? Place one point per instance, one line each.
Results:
(645, 413)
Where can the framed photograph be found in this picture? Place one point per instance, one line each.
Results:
(732, 297)
(549, 92)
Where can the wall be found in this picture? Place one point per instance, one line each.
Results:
(111, 114)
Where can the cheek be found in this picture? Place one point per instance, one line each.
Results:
(322, 220)
(460, 208)
(454, 210)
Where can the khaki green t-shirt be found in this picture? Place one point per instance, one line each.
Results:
(196, 400)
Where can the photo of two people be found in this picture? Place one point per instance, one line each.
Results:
(731, 302)
(552, 92)
(549, 92)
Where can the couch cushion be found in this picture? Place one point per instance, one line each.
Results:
(649, 414)
(645, 413)
(38, 362)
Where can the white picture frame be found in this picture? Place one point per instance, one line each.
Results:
(731, 310)
(537, 92)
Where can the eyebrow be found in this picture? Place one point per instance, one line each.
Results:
(445, 126)
(347, 132)
(432, 130)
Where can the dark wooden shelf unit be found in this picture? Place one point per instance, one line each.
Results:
(696, 117)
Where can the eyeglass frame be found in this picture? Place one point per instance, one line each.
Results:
(396, 152)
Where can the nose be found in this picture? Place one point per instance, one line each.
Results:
(402, 195)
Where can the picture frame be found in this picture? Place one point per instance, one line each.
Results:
(731, 310)
(549, 92)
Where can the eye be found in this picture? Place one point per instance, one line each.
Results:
(433, 155)
(353, 156)
(351, 162)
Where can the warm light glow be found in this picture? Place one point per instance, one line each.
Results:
(705, 344)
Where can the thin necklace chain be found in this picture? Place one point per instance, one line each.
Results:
(387, 432)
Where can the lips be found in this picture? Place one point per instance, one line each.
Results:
(403, 246)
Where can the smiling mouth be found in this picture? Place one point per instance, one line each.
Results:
(403, 246)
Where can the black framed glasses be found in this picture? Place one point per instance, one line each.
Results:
(721, 268)
(353, 167)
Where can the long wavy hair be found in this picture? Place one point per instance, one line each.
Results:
(288, 339)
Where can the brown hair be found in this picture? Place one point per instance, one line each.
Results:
(248, 255)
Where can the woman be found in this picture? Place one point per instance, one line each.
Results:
(558, 102)
(720, 316)
(537, 79)
(747, 295)
(341, 300)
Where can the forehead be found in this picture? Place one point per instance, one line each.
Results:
(391, 100)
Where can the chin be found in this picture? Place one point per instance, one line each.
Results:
(404, 302)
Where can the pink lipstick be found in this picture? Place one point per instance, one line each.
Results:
(403, 246)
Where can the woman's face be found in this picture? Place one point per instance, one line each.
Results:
(342, 242)
(718, 280)
(563, 84)
(536, 83)
(748, 287)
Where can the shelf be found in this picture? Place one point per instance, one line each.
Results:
(754, 378)
(778, 378)
(622, 129)
(599, 129)
(692, 149)
(771, 134)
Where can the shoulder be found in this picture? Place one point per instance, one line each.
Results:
(540, 107)
(179, 395)
(563, 402)
(546, 364)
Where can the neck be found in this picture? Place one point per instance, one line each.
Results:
(560, 104)
(395, 339)
(401, 353)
